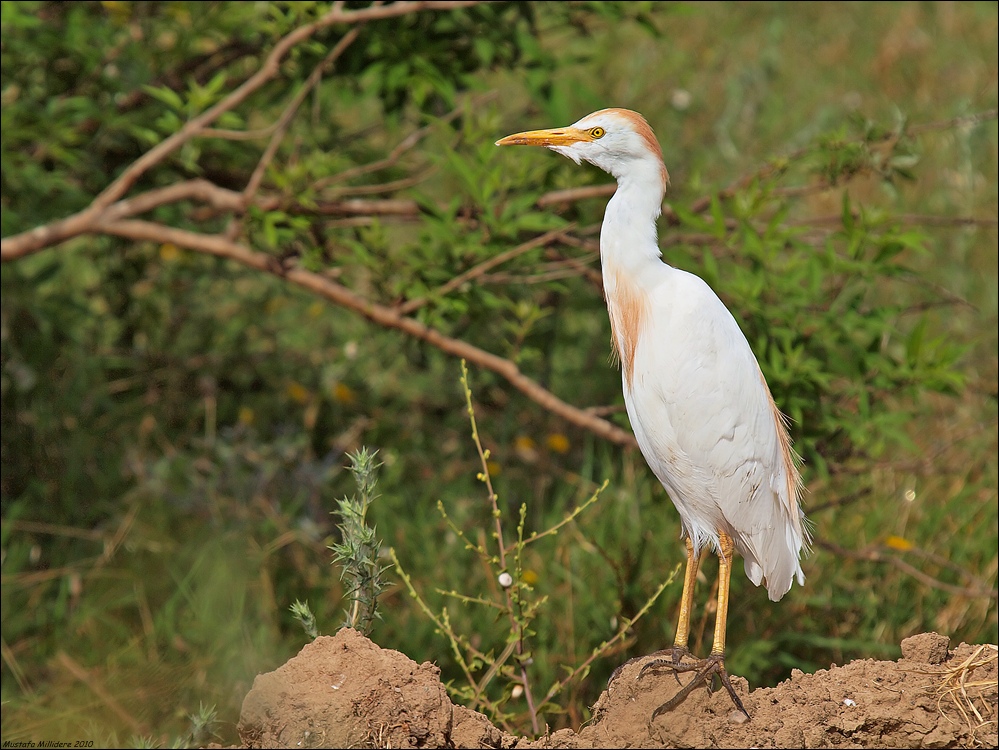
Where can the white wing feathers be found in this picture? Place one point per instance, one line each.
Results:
(706, 424)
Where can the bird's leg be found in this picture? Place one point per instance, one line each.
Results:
(679, 648)
(705, 669)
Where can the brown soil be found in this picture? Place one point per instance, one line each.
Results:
(344, 691)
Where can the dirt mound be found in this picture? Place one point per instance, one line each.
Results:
(344, 691)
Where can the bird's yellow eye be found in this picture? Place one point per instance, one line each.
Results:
(597, 132)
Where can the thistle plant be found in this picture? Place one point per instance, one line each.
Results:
(202, 731)
(303, 613)
(357, 552)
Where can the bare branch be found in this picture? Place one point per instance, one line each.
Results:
(552, 271)
(955, 122)
(199, 190)
(384, 316)
(268, 70)
(26, 243)
(51, 234)
(239, 135)
(910, 219)
(289, 112)
(391, 186)
(360, 206)
(221, 200)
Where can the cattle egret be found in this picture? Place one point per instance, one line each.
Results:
(698, 403)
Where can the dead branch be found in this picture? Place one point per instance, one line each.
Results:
(112, 213)
(384, 316)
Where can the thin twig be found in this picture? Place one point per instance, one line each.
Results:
(877, 555)
(407, 144)
(622, 631)
(955, 122)
(284, 121)
(268, 70)
(477, 270)
(239, 135)
(571, 195)
(515, 624)
(391, 186)
(77, 670)
(909, 219)
(554, 272)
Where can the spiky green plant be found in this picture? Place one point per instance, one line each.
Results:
(303, 613)
(358, 550)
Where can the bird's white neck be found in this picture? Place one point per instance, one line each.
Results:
(628, 239)
(629, 255)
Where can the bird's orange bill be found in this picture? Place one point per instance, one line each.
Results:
(552, 137)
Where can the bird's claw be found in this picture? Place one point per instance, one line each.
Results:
(704, 669)
(675, 654)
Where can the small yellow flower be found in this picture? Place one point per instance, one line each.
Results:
(529, 577)
(557, 442)
(493, 467)
(524, 442)
(169, 252)
(899, 543)
(298, 392)
(344, 394)
(246, 415)
(525, 448)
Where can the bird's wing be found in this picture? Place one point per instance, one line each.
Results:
(708, 428)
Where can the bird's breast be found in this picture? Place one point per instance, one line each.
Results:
(628, 306)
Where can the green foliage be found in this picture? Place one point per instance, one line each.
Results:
(174, 426)
(512, 597)
(358, 550)
(303, 614)
(829, 321)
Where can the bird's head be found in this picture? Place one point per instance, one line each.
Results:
(618, 141)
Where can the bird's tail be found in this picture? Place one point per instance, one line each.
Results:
(780, 548)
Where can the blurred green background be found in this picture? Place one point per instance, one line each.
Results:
(175, 426)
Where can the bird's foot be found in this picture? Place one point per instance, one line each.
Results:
(675, 656)
(704, 672)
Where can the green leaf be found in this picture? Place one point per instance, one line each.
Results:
(846, 213)
(166, 95)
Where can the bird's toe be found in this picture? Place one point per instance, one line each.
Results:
(704, 671)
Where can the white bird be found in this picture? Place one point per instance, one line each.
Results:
(698, 403)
